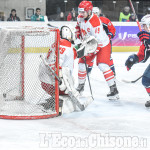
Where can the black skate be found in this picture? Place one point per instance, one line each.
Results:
(49, 104)
(80, 88)
(113, 94)
(147, 104)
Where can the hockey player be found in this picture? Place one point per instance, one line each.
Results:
(143, 54)
(89, 24)
(110, 30)
(66, 62)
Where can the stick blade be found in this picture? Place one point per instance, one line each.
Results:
(126, 81)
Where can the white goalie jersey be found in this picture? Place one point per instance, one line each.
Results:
(66, 59)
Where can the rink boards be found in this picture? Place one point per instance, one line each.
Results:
(125, 40)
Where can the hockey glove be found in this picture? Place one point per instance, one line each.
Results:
(132, 59)
(110, 35)
(143, 35)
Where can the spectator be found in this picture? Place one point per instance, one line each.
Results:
(73, 13)
(69, 17)
(13, 16)
(37, 16)
(132, 18)
(62, 16)
(124, 16)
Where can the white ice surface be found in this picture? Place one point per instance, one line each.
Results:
(125, 118)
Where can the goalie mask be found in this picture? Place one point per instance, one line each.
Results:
(67, 32)
(146, 21)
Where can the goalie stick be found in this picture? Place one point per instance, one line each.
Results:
(73, 98)
(126, 81)
(47, 23)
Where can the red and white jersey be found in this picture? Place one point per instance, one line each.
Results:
(93, 27)
(66, 59)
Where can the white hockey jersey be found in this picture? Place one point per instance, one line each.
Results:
(93, 27)
(66, 59)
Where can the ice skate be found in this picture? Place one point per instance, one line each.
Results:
(147, 104)
(48, 104)
(113, 94)
(80, 88)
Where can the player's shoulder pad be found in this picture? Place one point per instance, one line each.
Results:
(105, 20)
(64, 42)
(95, 21)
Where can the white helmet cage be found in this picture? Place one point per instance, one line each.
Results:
(95, 10)
(146, 20)
(67, 32)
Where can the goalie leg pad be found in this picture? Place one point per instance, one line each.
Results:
(68, 105)
(68, 81)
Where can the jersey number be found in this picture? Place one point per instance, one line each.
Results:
(62, 49)
(97, 30)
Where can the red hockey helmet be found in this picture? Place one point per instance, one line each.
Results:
(85, 6)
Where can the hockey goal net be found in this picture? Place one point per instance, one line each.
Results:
(20, 87)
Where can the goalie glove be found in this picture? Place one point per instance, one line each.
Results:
(89, 45)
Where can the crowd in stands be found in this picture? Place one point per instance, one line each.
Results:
(125, 15)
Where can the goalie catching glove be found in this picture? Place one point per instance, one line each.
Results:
(89, 45)
(67, 84)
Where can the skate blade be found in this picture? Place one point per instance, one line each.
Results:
(115, 97)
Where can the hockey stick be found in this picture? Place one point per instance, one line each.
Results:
(126, 81)
(47, 23)
(88, 76)
(73, 98)
(137, 21)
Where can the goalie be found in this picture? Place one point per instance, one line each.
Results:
(66, 62)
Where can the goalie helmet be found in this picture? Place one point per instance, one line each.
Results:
(67, 32)
(95, 10)
(146, 20)
(85, 6)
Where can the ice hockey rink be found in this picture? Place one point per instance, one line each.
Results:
(123, 124)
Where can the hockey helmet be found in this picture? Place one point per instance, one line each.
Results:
(95, 10)
(146, 21)
(85, 6)
(67, 32)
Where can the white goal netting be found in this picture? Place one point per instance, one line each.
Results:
(20, 88)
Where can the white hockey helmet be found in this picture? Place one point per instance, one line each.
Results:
(95, 10)
(146, 20)
(67, 32)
